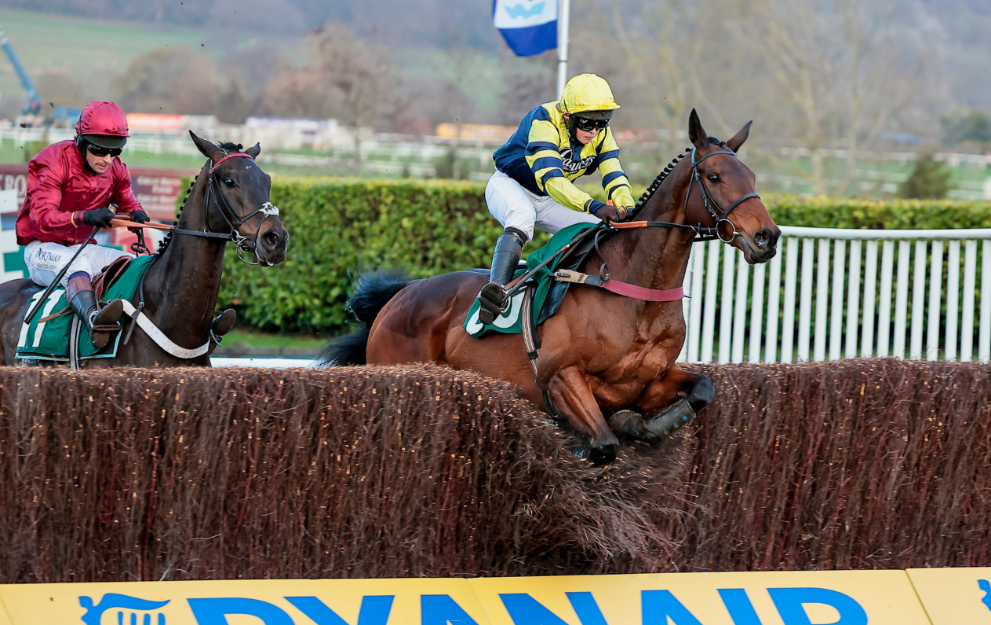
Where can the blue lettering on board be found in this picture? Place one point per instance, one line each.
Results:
(789, 603)
(114, 601)
(660, 605)
(374, 610)
(441, 610)
(215, 611)
(739, 607)
(525, 610)
(986, 587)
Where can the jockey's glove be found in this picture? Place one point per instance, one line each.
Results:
(609, 213)
(98, 217)
(139, 216)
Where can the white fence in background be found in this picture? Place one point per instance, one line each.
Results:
(831, 294)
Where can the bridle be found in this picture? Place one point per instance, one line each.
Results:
(233, 222)
(719, 215)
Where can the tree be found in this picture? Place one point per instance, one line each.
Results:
(965, 125)
(930, 180)
(169, 80)
(815, 74)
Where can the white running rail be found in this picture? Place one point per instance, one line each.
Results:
(832, 293)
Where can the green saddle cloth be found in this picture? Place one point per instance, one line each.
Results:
(510, 321)
(49, 340)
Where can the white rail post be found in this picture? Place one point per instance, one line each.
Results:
(853, 301)
(952, 300)
(805, 300)
(822, 301)
(773, 300)
(757, 313)
(695, 309)
(884, 312)
(918, 301)
(935, 301)
(788, 322)
(836, 306)
(726, 308)
(984, 342)
(901, 299)
(686, 302)
(969, 293)
(870, 292)
(740, 306)
(709, 317)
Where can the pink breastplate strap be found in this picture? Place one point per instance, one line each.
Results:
(620, 288)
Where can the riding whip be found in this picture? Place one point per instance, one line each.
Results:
(58, 278)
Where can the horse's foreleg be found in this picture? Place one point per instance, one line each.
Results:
(673, 399)
(572, 395)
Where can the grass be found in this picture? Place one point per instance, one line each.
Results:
(91, 51)
(264, 340)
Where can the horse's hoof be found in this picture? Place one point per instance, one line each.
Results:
(604, 449)
(702, 393)
(630, 424)
(224, 322)
(667, 422)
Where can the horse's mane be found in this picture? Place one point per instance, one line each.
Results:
(652, 189)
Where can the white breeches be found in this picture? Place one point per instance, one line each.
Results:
(45, 260)
(515, 207)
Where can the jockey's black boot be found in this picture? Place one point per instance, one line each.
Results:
(492, 298)
(100, 322)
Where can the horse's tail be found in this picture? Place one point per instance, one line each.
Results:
(372, 292)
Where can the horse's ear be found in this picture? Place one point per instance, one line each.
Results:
(206, 148)
(696, 133)
(738, 139)
(254, 150)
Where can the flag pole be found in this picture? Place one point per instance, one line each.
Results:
(564, 8)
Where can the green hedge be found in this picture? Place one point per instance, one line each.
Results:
(826, 212)
(340, 226)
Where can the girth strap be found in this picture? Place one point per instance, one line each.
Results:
(620, 288)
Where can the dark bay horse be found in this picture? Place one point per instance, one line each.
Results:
(228, 202)
(601, 353)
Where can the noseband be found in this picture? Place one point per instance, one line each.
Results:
(719, 215)
(213, 188)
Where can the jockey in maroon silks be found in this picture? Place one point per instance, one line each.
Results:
(73, 187)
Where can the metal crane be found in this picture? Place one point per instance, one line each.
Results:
(34, 103)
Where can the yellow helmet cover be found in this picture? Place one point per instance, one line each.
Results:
(587, 92)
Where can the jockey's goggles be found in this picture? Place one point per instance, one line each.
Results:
(96, 150)
(588, 125)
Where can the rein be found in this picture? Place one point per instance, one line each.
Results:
(702, 234)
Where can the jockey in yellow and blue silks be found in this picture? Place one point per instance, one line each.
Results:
(555, 144)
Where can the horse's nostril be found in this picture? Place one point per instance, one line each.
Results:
(270, 238)
(761, 239)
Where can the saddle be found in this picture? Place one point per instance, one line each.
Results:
(544, 293)
(101, 282)
(63, 337)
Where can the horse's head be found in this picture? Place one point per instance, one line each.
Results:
(238, 202)
(722, 194)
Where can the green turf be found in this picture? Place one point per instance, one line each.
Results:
(256, 339)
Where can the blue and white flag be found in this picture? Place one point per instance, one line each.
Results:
(528, 26)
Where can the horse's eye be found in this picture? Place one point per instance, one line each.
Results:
(229, 182)
(714, 178)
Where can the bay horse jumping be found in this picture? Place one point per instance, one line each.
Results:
(229, 201)
(600, 353)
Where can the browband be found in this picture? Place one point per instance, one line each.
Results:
(232, 155)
